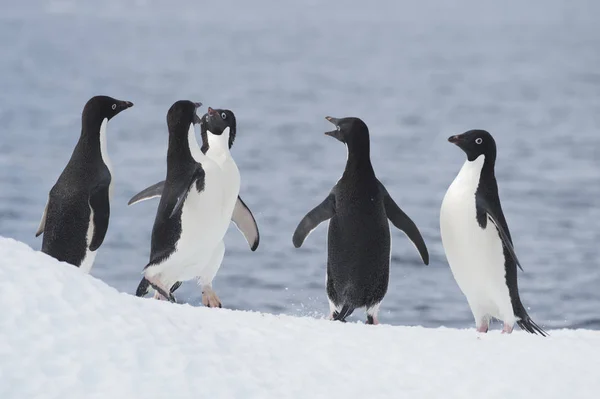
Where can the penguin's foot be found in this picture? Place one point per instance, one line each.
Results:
(161, 293)
(483, 328)
(210, 298)
(507, 329)
(372, 320)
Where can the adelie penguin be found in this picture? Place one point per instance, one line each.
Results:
(359, 244)
(77, 213)
(477, 241)
(218, 130)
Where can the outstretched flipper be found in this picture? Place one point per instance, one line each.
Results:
(184, 188)
(241, 217)
(42, 225)
(404, 223)
(100, 205)
(246, 224)
(153, 191)
(486, 211)
(322, 212)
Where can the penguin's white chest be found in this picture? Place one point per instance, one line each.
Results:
(104, 153)
(475, 255)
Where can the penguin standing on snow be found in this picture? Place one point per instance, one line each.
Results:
(359, 244)
(218, 131)
(477, 241)
(186, 233)
(76, 216)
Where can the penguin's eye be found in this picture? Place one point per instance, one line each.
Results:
(338, 128)
(224, 115)
(478, 140)
(114, 106)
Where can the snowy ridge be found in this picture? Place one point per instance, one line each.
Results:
(64, 334)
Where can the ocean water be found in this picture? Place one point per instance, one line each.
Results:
(415, 72)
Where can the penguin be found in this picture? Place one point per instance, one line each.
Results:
(358, 246)
(76, 216)
(218, 129)
(186, 233)
(477, 241)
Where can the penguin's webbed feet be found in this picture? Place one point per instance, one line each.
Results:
(507, 329)
(163, 294)
(372, 320)
(210, 298)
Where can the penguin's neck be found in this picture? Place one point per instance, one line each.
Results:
(93, 138)
(218, 145)
(183, 147)
(359, 160)
(474, 172)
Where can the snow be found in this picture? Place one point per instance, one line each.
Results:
(65, 334)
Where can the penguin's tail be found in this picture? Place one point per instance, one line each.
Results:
(530, 326)
(142, 289)
(343, 313)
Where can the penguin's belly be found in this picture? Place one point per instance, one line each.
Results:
(475, 255)
(198, 239)
(231, 189)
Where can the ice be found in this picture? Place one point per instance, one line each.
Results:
(65, 334)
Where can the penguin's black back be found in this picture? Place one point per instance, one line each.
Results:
(68, 214)
(182, 169)
(358, 241)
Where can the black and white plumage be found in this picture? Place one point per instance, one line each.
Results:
(477, 240)
(190, 209)
(76, 216)
(359, 244)
(218, 130)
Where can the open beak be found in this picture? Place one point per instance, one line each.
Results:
(336, 134)
(197, 119)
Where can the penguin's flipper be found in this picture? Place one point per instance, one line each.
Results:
(322, 212)
(153, 191)
(99, 202)
(42, 225)
(244, 220)
(404, 223)
(484, 212)
(183, 189)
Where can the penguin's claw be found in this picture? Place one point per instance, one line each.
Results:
(482, 328)
(161, 293)
(210, 298)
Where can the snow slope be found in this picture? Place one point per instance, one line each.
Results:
(64, 334)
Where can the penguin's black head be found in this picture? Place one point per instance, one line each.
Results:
(182, 114)
(99, 108)
(349, 130)
(475, 143)
(216, 121)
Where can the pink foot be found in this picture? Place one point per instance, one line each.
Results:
(372, 320)
(483, 328)
(507, 329)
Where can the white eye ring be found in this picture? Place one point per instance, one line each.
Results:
(114, 106)
(338, 128)
(478, 140)
(223, 115)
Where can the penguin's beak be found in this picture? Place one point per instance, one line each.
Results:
(455, 139)
(197, 119)
(126, 104)
(216, 124)
(337, 133)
